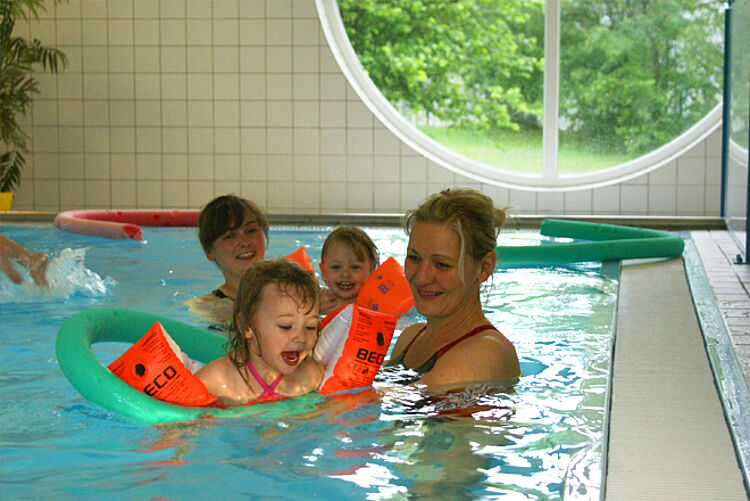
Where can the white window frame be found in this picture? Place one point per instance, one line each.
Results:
(550, 179)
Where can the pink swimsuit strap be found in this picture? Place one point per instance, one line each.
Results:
(268, 392)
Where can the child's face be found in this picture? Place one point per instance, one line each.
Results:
(237, 249)
(343, 272)
(284, 331)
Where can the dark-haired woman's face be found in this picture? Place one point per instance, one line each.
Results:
(235, 250)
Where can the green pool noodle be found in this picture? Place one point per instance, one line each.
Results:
(605, 242)
(96, 383)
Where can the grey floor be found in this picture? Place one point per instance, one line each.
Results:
(668, 436)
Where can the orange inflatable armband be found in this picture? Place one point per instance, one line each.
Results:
(301, 257)
(386, 290)
(152, 366)
(352, 345)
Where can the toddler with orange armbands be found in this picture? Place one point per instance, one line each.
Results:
(347, 259)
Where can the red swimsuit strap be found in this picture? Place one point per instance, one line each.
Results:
(450, 345)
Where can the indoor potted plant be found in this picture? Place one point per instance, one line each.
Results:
(17, 86)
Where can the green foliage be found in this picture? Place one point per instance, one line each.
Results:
(466, 62)
(635, 73)
(17, 85)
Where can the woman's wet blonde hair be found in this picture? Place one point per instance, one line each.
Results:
(471, 214)
(288, 277)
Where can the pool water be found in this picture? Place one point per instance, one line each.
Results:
(542, 439)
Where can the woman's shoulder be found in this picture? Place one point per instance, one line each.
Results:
(489, 350)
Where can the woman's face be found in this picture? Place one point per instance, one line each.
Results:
(237, 249)
(431, 268)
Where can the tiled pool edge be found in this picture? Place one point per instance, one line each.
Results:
(729, 378)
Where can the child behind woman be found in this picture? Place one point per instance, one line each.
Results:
(347, 259)
(274, 330)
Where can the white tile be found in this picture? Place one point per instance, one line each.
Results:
(439, 174)
(252, 86)
(333, 196)
(175, 194)
(690, 200)
(278, 32)
(94, 31)
(174, 168)
(200, 193)
(280, 141)
(71, 165)
(332, 87)
(550, 202)
(666, 175)
(386, 169)
(579, 202)
(253, 167)
(306, 195)
(200, 59)
(96, 59)
(306, 32)
(227, 168)
(691, 170)
(173, 113)
(225, 9)
(226, 60)
(147, 86)
(119, 31)
(278, 59)
(69, 85)
(70, 139)
(662, 200)
(280, 168)
(124, 196)
(148, 194)
(412, 194)
(306, 168)
(280, 195)
(226, 32)
(253, 113)
(71, 194)
(606, 200)
(633, 199)
(386, 197)
(96, 166)
(306, 114)
(172, 9)
(306, 59)
(306, 141)
(279, 87)
(332, 141)
(173, 86)
(146, 32)
(95, 86)
(44, 166)
(413, 169)
(333, 113)
(147, 113)
(357, 115)
(97, 194)
(226, 113)
(121, 59)
(712, 196)
(200, 112)
(172, 32)
(148, 166)
(122, 139)
(199, 31)
(200, 139)
(359, 168)
(359, 196)
(252, 31)
(253, 140)
(306, 86)
(69, 32)
(96, 139)
(522, 202)
(333, 168)
(200, 167)
(119, 9)
(147, 139)
(227, 140)
(255, 191)
(498, 194)
(359, 141)
(713, 144)
(385, 142)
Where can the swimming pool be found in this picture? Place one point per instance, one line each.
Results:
(543, 440)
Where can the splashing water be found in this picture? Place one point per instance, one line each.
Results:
(66, 275)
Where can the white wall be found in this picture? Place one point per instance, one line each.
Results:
(169, 103)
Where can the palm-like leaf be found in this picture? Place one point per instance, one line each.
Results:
(17, 85)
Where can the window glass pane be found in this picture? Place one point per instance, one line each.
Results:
(467, 73)
(634, 74)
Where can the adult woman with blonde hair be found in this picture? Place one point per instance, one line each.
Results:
(451, 253)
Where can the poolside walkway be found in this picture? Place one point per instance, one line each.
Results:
(668, 436)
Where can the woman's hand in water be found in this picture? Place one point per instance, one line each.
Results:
(35, 262)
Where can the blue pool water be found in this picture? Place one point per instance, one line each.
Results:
(542, 440)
